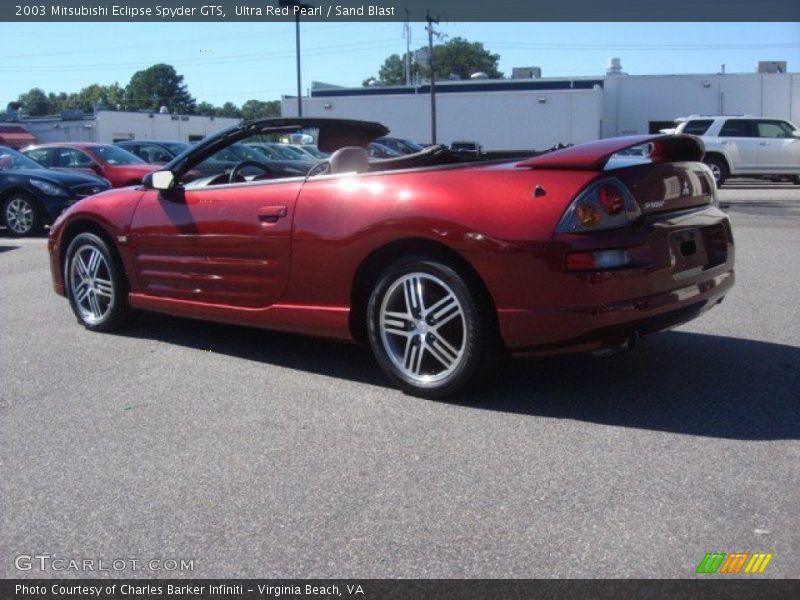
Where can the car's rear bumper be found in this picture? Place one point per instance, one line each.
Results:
(585, 311)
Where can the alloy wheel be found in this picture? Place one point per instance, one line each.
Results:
(19, 216)
(91, 284)
(422, 327)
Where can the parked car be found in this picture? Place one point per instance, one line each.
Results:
(466, 148)
(746, 146)
(400, 145)
(275, 154)
(314, 151)
(32, 196)
(119, 166)
(377, 150)
(154, 151)
(440, 263)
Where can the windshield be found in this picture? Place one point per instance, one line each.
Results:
(11, 159)
(282, 152)
(314, 151)
(295, 153)
(176, 147)
(238, 152)
(267, 151)
(114, 155)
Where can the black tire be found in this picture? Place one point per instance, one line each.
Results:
(719, 169)
(103, 285)
(464, 326)
(21, 215)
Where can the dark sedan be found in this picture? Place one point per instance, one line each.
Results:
(32, 195)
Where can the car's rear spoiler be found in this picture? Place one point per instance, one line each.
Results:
(593, 156)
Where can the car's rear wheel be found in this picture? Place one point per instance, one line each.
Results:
(427, 329)
(95, 284)
(718, 168)
(21, 216)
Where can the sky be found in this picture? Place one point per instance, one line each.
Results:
(239, 61)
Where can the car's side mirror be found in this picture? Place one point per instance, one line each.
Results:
(97, 168)
(796, 133)
(159, 180)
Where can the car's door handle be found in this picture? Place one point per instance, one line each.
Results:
(763, 143)
(271, 214)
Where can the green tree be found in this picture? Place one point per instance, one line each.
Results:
(36, 103)
(258, 109)
(393, 70)
(206, 109)
(229, 109)
(157, 86)
(107, 97)
(456, 57)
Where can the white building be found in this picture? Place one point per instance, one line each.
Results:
(108, 126)
(536, 113)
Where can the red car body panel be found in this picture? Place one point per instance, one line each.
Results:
(284, 254)
(118, 175)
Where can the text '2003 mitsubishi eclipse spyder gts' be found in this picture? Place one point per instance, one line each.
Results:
(440, 262)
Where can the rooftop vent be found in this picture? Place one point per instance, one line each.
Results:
(614, 67)
(526, 73)
(771, 66)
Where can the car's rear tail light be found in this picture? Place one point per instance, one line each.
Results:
(598, 261)
(611, 199)
(606, 204)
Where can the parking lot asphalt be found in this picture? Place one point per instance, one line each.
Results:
(269, 455)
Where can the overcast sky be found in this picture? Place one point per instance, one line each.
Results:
(239, 61)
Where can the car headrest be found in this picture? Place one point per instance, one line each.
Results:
(348, 160)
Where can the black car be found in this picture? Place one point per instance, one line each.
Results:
(32, 195)
(154, 151)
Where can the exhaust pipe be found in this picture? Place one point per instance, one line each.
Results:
(630, 344)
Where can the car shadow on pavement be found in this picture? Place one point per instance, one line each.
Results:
(680, 382)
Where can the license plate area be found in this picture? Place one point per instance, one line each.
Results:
(688, 251)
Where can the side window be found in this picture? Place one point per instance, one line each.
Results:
(74, 159)
(42, 155)
(773, 129)
(152, 154)
(697, 126)
(737, 128)
(132, 148)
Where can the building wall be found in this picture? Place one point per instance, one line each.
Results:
(110, 126)
(631, 102)
(114, 126)
(509, 120)
(498, 120)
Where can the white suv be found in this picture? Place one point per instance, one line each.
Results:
(747, 146)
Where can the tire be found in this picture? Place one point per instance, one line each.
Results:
(21, 216)
(96, 285)
(428, 330)
(719, 169)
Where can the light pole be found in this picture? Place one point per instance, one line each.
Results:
(296, 5)
(431, 21)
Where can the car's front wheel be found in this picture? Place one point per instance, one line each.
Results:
(427, 329)
(21, 216)
(96, 284)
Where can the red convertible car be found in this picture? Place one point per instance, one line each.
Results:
(439, 262)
